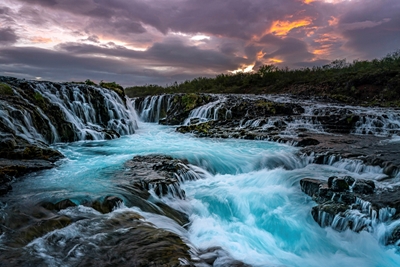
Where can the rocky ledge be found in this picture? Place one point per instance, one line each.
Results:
(347, 203)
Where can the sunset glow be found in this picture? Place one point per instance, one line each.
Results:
(144, 42)
(280, 27)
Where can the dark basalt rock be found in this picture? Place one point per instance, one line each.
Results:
(108, 204)
(307, 142)
(348, 203)
(335, 198)
(23, 224)
(63, 204)
(159, 174)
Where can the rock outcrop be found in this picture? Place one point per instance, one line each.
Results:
(355, 204)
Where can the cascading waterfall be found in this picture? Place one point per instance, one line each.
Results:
(209, 111)
(381, 123)
(67, 112)
(153, 108)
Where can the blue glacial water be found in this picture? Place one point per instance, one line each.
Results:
(250, 203)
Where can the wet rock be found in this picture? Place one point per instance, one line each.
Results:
(146, 176)
(107, 205)
(162, 174)
(311, 186)
(325, 213)
(307, 142)
(339, 202)
(141, 244)
(216, 256)
(181, 105)
(21, 225)
(394, 236)
(338, 184)
(363, 186)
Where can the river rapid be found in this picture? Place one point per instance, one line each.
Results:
(248, 202)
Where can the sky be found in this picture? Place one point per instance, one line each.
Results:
(138, 42)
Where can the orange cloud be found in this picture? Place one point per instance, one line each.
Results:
(333, 21)
(275, 60)
(281, 27)
(260, 55)
(39, 39)
(325, 44)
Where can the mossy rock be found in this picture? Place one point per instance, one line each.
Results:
(189, 101)
(5, 89)
(196, 128)
(113, 86)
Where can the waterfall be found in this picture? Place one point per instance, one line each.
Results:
(209, 111)
(152, 108)
(380, 123)
(64, 112)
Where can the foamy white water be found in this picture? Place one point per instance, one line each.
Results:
(250, 202)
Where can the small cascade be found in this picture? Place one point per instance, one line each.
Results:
(18, 122)
(362, 217)
(209, 111)
(380, 123)
(351, 165)
(53, 112)
(297, 124)
(171, 186)
(153, 108)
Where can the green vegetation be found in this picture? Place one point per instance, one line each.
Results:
(5, 89)
(90, 82)
(189, 101)
(38, 96)
(360, 82)
(114, 87)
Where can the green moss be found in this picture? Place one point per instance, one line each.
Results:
(270, 106)
(189, 101)
(113, 86)
(90, 82)
(5, 89)
(38, 96)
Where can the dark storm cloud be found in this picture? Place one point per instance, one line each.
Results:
(373, 29)
(239, 31)
(31, 62)
(7, 36)
(235, 18)
(171, 53)
(375, 41)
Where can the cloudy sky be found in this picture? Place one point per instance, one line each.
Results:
(135, 42)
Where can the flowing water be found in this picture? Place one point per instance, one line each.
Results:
(249, 201)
